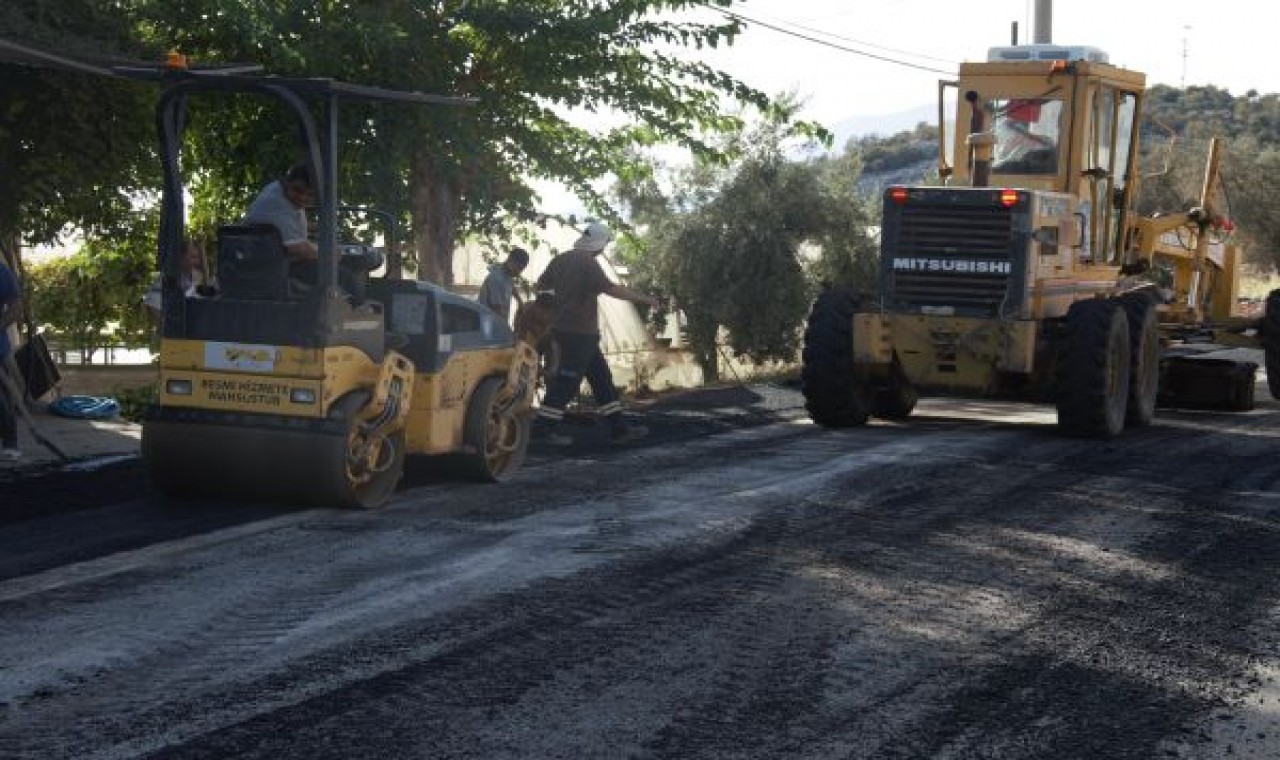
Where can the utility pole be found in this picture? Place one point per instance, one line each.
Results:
(1044, 22)
(1186, 33)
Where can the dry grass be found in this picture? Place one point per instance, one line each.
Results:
(1254, 285)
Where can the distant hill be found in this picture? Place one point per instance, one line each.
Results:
(915, 173)
(897, 148)
(883, 125)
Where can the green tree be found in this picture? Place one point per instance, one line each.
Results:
(1179, 124)
(732, 242)
(75, 148)
(1251, 178)
(532, 65)
(847, 246)
(92, 299)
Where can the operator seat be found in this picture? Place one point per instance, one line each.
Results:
(252, 263)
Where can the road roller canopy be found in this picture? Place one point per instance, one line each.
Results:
(318, 140)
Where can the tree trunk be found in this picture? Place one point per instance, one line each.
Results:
(702, 341)
(435, 200)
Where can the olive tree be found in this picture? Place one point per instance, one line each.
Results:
(740, 245)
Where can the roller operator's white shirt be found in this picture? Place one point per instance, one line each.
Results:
(274, 208)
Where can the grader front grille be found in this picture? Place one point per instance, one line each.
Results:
(948, 256)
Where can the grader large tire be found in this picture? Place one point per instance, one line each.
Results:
(1144, 358)
(897, 398)
(1093, 370)
(353, 472)
(497, 442)
(833, 395)
(1271, 341)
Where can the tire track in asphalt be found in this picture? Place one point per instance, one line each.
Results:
(415, 687)
(79, 700)
(1048, 576)
(509, 672)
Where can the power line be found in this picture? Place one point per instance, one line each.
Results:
(826, 43)
(872, 45)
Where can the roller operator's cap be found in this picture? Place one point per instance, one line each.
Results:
(594, 238)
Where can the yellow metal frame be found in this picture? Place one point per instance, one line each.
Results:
(259, 379)
(1195, 246)
(944, 354)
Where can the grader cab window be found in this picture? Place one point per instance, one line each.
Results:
(1027, 135)
(1106, 165)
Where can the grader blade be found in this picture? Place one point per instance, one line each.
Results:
(1198, 382)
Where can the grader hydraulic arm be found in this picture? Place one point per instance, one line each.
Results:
(1192, 255)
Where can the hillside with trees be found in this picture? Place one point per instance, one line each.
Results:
(1177, 130)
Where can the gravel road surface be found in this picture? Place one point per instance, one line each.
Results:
(966, 584)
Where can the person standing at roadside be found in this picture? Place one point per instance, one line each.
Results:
(499, 287)
(191, 280)
(11, 383)
(577, 280)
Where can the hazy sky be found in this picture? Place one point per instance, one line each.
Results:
(1226, 44)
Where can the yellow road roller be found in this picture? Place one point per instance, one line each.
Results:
(276, 388)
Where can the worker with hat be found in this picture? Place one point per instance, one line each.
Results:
(574, 280)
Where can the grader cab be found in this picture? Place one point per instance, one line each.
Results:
(302, 390)
(1028, 273)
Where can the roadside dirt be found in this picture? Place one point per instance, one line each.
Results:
(966, 584)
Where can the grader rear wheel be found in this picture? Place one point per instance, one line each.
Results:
(1144, 358)
(833, 395)
(497, 439)
(1271, 341)
(1093, 370)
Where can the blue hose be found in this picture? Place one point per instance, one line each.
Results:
(85, 407)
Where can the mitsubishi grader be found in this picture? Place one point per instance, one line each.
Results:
(284, 389)
(1028, 273)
